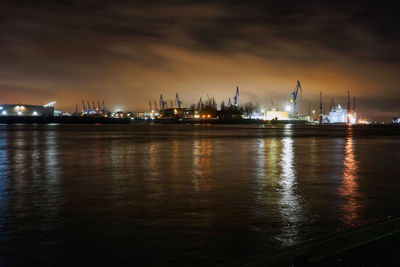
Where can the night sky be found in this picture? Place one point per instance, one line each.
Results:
(128, 53)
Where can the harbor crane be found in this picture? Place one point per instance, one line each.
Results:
(178, 101)
(84, 107)
(89, 107)
(201, 104)
(294, 96)
(235, 98)
(162, 102)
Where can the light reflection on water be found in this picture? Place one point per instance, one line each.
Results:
(290, 207)
(202, 151)
(349, 190)
(215, 193)
(4, 173)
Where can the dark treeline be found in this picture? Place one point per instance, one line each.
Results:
(210, 107)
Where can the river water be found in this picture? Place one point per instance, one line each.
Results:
(187, 194)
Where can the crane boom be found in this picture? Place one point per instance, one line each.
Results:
(235, 98)
(294, 96)
(84, 107)
(162, 102)
(178, 101)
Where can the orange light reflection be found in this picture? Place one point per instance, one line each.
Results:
(349, 189)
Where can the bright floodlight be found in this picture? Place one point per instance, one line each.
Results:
(50, 104)
(288, 108)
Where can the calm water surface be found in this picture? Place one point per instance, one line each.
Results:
(187, 194)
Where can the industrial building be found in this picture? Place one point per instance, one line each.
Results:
(176, 113)
(26, 110)
(276, 115)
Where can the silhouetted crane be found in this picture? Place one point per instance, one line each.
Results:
(162, 102)
(294, 96)
(235, 98)
(178, 101)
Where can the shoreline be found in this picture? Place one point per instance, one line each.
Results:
(105, 120)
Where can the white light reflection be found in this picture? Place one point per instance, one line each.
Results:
(153, 158)
(267, 178)
(4, 182)
(260, 167)
(51, 201)
(51, 156)
(36, 164)
(175, 159)
(202, 150)
(290, 206)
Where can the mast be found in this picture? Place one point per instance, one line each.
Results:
(320, 107)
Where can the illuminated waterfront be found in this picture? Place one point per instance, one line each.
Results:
(187, 194)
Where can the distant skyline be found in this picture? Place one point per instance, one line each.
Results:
(128, 52)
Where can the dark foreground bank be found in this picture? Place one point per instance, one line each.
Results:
(376, 244)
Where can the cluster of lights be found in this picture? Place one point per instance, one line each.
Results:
(19, 108)
(363, 121)
(51, 104)
(206, 116)
(352, 119)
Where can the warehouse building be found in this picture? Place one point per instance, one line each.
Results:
(26, 110)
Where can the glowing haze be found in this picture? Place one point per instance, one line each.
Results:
(129, 53)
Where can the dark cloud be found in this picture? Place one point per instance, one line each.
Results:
(76, 45)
